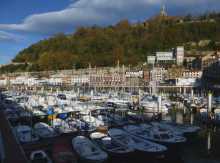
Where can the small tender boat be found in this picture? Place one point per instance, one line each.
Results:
(62, 152)
(134, 142)
(25, 134)
(39, 157)
(43, 130)
(88, 151)
(109, 145)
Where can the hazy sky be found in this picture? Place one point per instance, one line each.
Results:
(23, 22)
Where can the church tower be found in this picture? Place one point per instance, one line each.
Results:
(163, 11)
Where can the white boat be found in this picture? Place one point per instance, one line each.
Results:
(105, 119)
(43, 130)
(92, 120)
(87, 150)
(110, 146)
(134, 142)
(39, 156)
(80, 125)
(150, 103)
(25, 134)
(155, 134)
(118, 102)
(181, 129)
(62, 126)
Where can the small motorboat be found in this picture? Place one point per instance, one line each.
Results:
(92, 120)
(39, 157)
(44, 131)
(62, 152)
(80, 125)
(62, 126)
(156, 134)
(25, 134)
(134, 142)
(180, 129)
(110, 146)
(88, 151)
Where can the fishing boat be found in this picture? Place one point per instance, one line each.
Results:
(25, 134)
(114, 149)
(136, 143)
(44, 131)
(39, 156)
(88, 151)
(62, 152)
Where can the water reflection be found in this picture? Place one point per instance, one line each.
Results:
(206, 145)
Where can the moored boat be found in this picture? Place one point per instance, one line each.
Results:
(39, 157)
(157, 134)
(138, 144)
(115, 150)
(44, 131)
(25, 134)
(88, 151)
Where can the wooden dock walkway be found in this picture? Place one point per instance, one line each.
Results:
(12, 152)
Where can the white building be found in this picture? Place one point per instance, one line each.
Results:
(151, 59)
(192, 74)
(186, 82)
(82, 79)
(134, 74)
(3, 82)
(164, 56)
(179, 55)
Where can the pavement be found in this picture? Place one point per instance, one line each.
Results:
(12, 150)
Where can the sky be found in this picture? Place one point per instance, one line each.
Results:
(24, 22)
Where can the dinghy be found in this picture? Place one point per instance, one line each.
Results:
(43, 130)
(39, 157)
(25, 134)
(88, 151)
(109, 145)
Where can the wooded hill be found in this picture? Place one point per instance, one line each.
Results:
(124, 42)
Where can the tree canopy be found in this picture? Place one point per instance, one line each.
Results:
(127, 43)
